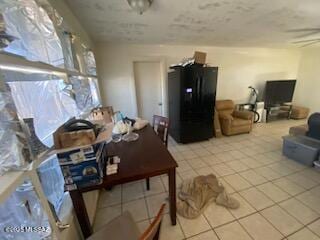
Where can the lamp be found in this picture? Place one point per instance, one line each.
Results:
(140, 6)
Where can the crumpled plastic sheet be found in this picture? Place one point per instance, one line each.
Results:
(83, 96)
(90, 62)
(52, 181)
(57, 105)
(15, 212)
(94, 86)
(37, 39)
(63, 32)
(14, 151)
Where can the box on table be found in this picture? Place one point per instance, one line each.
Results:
(83, 166)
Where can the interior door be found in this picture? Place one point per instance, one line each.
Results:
(148, 89)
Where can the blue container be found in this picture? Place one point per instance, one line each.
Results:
(302, 149)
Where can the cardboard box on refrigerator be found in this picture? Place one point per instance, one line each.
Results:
(200, 57)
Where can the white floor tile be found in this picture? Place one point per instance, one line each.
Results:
(143, 225)
(252, 177)
(197, 163)
(311, 200)
(154, 203)
(302, 180)
(304, 234)
(280, 219)
(156, 186)
(315, 227)
(268, 173)
(237, 182)
(298, 210)
(245, 208)
(259, 228)
(137, 208)
(169, 232)
(209, 235)
(217, 215)
(288, 186)
(222, 169)
(256, 198)
(132, 191)
(232, 231)
(237, 166)
(183, 166)
(273, 192)
(192, 227)
(110, 197)
(105, 215)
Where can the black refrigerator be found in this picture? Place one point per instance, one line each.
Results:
(192, 94)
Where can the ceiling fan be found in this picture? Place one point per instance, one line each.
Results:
(306, 32)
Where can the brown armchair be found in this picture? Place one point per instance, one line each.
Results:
(233, 122)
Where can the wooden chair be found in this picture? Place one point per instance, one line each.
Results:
(124, 228)
(161, 127)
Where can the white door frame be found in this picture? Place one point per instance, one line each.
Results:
(163, 81)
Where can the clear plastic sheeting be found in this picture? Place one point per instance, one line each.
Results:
(82, 91)
(35, 34)
(67, 50)
(52, 182)
(22, 211)
(90, 62)
(50, 103)
(94, 86)
(63, 32)
(14, 151)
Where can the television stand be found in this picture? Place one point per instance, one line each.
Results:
(278, 111)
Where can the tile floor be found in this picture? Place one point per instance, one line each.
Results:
(280, 199)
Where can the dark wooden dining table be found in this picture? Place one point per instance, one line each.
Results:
(144, 158)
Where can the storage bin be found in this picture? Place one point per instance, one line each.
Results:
(301, 149)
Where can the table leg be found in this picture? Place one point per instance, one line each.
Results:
(172, 196)
(81, 212)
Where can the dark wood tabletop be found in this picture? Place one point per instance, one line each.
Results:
(146, 157)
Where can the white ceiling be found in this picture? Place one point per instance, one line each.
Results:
(265, 23)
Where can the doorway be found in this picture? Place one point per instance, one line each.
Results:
(147, 76)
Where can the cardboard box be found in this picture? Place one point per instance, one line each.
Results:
(83, 167)
(200, 57)
(103, 136)
(102, 115)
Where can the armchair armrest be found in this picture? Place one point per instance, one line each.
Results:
(225, 117)
(243, 114)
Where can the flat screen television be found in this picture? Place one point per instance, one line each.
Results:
(279, 92)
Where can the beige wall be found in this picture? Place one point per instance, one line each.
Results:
(238, 69)
(308, 87)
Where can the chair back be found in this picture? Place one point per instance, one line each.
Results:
(161, 127)
(224, 107)
(153, 231)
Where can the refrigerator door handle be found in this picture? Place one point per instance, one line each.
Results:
(198, 83)
(201, 88)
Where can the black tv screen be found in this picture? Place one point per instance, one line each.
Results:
(279, 92)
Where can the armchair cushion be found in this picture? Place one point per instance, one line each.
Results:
(238, 122)
(224, 116)
(243, 114)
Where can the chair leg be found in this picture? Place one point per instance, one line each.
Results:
(148, 183)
